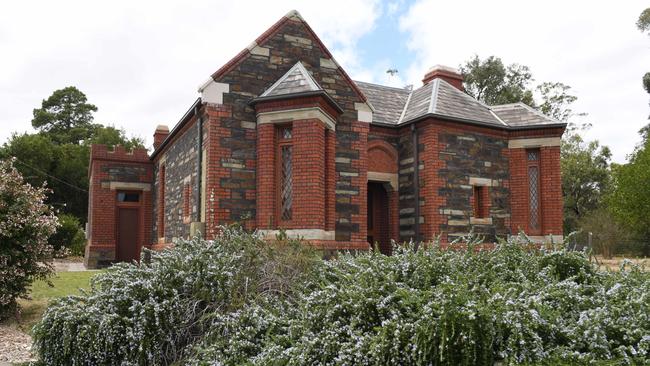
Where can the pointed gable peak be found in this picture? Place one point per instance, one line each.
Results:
(296, 80)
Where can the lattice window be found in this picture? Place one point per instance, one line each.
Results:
(285, 173)
(286, 193)
(533, 194)
(534, 199)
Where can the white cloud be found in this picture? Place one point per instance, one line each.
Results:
(140, 62)
(592, 46)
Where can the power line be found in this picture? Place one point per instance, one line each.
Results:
(51, 176)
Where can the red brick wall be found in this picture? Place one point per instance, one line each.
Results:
(117, 165)
(550, 189)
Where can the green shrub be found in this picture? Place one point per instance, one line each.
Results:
(25, 224)
(69, 237)
(238, 300)
(435, 307)
(149, 313)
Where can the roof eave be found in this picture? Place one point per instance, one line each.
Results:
(311, 93)
(480, 123)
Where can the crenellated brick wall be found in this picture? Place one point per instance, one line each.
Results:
(112, 171)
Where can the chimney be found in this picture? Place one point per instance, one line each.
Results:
(160, 135)
(446, 73)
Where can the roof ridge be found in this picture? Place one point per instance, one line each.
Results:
(433, 103)
(383, 86)
(408, 100)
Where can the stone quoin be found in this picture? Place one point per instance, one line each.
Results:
(281, 138)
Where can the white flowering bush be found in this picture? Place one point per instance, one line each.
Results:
(26, 223)
(511, 305)
(238, 300)
(148, 314)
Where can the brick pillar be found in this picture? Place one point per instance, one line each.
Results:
(551, 191)
(308, 174)
(266, 191)
(330, 180)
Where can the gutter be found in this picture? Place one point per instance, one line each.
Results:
(416, 185)
(199, 161)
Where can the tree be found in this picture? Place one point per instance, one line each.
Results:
(492, 83)
(59, 153)
(585, 178)
(26, 223)
(630, 201)
(643, 23)
(66, 116)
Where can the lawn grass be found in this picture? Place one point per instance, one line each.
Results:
(64, 283)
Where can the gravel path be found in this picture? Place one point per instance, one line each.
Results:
(15, 346)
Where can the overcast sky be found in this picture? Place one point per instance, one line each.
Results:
(141, 62)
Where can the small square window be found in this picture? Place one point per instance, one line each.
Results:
(285, 133)
(128, 197)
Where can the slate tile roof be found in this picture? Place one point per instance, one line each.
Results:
(395, 106)
(520, 114)
(296, 80)
(388, 102)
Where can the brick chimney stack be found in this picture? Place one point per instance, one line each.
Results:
(162, 131)
(446, 73)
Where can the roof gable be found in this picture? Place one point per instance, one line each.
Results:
(256, 47)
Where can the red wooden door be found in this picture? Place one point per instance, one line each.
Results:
(378, 229)
(127, 235)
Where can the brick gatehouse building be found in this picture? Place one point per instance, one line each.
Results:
(282, 138)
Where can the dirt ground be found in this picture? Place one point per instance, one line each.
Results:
(615, 262)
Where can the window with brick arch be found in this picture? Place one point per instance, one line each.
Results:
(285, 173)
(534, 192)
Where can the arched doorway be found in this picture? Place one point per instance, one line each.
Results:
(378, 220)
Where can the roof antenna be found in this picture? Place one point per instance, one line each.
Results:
(392, 72)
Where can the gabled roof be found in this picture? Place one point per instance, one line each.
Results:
(296, 80)
(438, 98)
(292, 16)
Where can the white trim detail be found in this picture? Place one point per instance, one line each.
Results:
(296, 114)
(480, 221)
(482, 182)
(212, 92)
(534, 142)
(364, 112)
(391, 178)
(307, 234)
(129, 186)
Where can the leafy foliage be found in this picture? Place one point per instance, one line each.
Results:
(440, 307)
(643, 23)
(586, 178)
(240, 301)
(69, 236)
(25, 225)
(66, 116)
(491, 82)
(59, 153)
(629, 200)
(149, 313)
